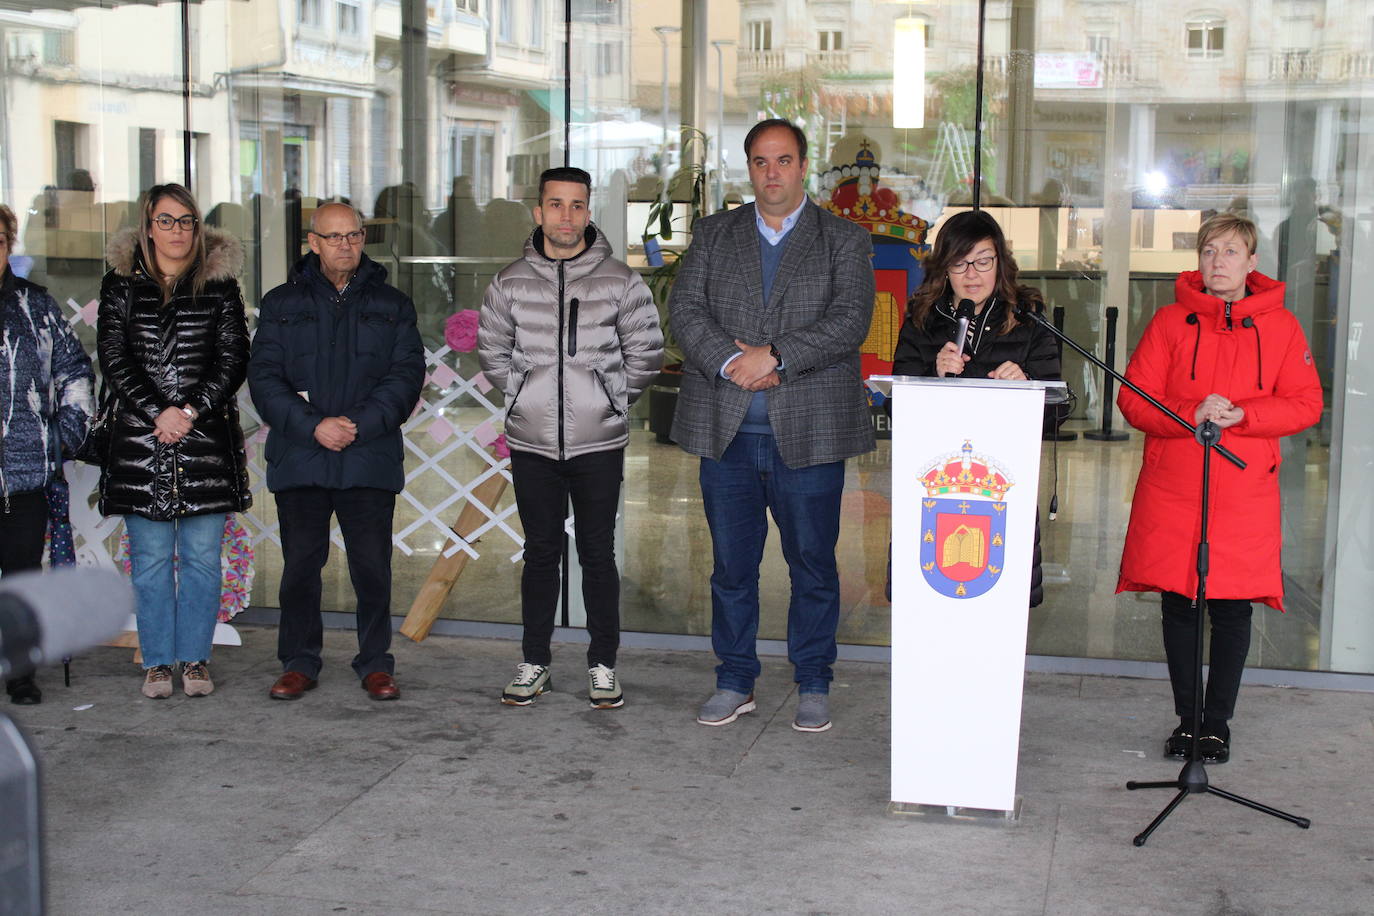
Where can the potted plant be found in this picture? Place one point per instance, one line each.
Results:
(688, 185)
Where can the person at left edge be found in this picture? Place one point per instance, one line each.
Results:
(337, 367)
(571, 335)
(45, 406)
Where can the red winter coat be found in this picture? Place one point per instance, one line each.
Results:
(1260, 360)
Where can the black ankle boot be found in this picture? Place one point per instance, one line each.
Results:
(24, 691)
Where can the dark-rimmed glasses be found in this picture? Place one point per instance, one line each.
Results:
(165, 222)
(336, 239)
(982, 265)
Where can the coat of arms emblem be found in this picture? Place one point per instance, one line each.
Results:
(964, 524)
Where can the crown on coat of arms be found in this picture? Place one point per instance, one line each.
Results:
(968, 473)
(853, 192)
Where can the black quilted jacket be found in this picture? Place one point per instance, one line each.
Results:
(192, 350)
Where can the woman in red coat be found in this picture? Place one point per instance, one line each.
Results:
(1226, 351)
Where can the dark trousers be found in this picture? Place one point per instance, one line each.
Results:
(542, 489)
(364, 515)
(23, 522)
(1230, 619)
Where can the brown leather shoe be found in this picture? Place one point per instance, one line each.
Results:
(291, 686)
(381, 686)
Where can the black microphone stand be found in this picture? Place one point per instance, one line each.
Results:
(1192, 779)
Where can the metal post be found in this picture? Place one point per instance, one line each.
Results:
(1053, 433)
(1105, 434)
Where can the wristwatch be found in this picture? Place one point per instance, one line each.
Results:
(773, 352)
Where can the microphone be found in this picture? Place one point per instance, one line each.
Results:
(46, 616)
(965, 314)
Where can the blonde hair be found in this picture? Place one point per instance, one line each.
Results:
(1221, 224)
(195, 270)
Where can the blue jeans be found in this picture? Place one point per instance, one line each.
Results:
(177, 605)
(739, 490)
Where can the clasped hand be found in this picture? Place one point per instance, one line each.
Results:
(171, 426)
(755, 370)
(1219, 410)
(336, 433)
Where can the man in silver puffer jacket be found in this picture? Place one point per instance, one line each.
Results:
(571, 335)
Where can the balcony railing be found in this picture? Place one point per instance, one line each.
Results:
(760, 61)
(828, 61)
(1293, 66)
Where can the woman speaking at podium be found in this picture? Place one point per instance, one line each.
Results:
(971, 276)
(1226, 351)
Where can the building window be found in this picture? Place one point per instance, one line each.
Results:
(761, 35)
(607, 58)
(59, 48)
(467, 6)
(536, 23)
(601, 12)
(69, 150)
(831, 40)
(308, 12)
(1206, 38)
(147, 157)
(350, 17)
(505, 30)
(1101, 45)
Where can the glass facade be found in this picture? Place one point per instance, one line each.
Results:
(1098, 132)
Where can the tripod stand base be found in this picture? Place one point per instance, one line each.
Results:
(1192, 780)
(1099, 436)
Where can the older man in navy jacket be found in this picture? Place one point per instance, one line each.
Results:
(337, 367)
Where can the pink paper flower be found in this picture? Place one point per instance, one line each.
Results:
(460, 331)
(499, 448)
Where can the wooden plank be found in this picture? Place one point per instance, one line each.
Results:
(446, 570)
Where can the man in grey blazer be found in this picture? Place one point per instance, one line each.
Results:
(770, 306)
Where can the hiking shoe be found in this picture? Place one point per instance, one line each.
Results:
(813, 712)
(195, 679)
(530, 681)
(724, 707)
(157, 682)
(603, 688)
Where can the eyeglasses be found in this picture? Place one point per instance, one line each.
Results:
(165, 222)
(336, 239)
(982, 265)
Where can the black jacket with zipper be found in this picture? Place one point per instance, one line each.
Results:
(191, 350)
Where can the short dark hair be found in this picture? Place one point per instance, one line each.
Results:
(769, 124)
(564, 173)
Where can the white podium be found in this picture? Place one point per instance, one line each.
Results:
(965, 481)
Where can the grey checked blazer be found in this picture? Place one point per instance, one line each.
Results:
(817, 315)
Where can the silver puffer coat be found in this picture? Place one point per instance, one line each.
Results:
(572, 343)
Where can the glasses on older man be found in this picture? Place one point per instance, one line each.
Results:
(337, 239)
(165, 222)
(982, 265)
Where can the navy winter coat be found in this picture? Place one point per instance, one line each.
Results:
(320, 352)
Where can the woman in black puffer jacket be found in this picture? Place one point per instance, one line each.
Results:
(173, 347)
(972, 262)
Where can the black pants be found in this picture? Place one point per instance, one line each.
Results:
(22, 526)
(365, 519)
(542, 488)
(1230, 619)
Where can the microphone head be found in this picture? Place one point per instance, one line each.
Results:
(965, 309)
(74, 608)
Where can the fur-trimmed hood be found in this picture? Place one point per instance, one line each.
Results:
(223, 253)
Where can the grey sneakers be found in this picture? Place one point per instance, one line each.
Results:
(530, 681)
(724, 707)
(157, 682)
(813, 712)
(195, 679)
(603, 688)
